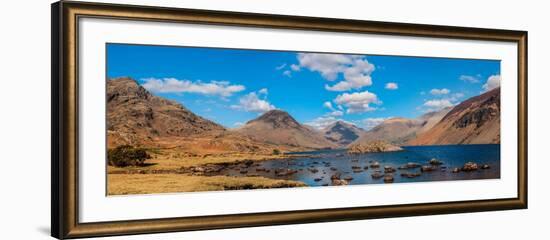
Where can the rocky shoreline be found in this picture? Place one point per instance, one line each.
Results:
(338, 168)
(337, 176)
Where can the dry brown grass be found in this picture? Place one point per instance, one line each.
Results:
(121, 184)
(171, 159)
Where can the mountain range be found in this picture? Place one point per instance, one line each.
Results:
(400, 130)
(137, 117)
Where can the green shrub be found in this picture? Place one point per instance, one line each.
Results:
(126, 155)
(276, 151)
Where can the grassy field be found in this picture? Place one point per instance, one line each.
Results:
(171, 159)
(121, 180)
(122, 184)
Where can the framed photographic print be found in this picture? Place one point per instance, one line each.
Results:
(168, 119)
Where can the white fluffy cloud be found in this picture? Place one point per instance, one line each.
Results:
(328, 105)
(442, 101)
(323, 122)
(252, 103)
(369, 123)
(356, 70)
(336, 113)
(358, 102)
(392, 86)
(470, 79)
(329, 65)
(173, 85)
(492, 82)
(437, 104)
(442, 91)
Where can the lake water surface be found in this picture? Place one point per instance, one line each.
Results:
(319, 166)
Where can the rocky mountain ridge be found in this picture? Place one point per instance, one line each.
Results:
(474, 121)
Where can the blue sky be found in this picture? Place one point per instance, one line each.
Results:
(232, 86)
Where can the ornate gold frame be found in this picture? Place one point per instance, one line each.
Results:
(65, 17)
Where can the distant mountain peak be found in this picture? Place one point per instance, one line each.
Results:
(279, 127)
(278, 119)
(339, 124)
(398, 130)
(342, 133)
(342, 123)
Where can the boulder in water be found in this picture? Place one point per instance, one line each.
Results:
(435, 161)
(389, 169)
(427, 168)
(410, 165)
(375, 165)
(470, 166)
(377, 175)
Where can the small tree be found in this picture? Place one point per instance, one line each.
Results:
(276, 151)
(126, 155)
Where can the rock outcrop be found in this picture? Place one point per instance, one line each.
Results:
(373, 147)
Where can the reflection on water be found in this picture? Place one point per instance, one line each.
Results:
(319, 166)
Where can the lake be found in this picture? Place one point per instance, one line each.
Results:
(317, 168)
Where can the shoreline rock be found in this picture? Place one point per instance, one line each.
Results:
(435, 162)
(470, 166)
(410, 165)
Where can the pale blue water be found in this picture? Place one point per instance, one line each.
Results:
(451, 155)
